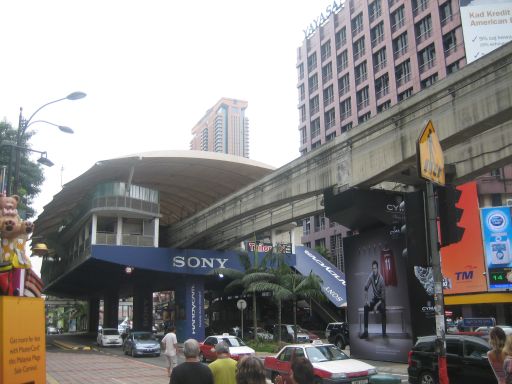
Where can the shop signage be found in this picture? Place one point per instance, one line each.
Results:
(335, 7)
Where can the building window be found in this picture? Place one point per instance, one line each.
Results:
(427, 58)
(496, 173)
(330, 118)
(341, 38)
(429, 81)
(325, 51)
(403, 73)
(344, 84)
(363, 98)
(327, 72)
(346, 127)
(377, 34)
(419, 6)
(357, 24)
(398, 19)
(314, 105)
(306, 228)
(385, 105)
(445, 12)
(300, 70)
(342, 61)
(452, 68)
(330, 136)
(302, 92)
(400, 45)
(364, 117)
(328, 95)
(337, 251)
(315, 128)
(404, 95)
(302, 113)
(382, 86)
(450, 43)
(312, 62)
(423, 29)
(379, 59)
(496, 200)
(361, 73)
(303, 136)
(313, 83)
(358, 48)
(316, 144)
(374, 10)
(320, 224)
(345, 108)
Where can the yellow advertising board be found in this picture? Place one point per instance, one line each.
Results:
(430, 155)
(22, 340)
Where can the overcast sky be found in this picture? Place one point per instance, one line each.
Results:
(150, 69)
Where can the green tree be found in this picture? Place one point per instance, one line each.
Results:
(31, 174)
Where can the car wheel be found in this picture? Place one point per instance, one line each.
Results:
(202, 358)
(427, 378)
(340, 343)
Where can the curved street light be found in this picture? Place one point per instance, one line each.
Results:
(23, 124)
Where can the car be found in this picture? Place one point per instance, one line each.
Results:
(330, 364)
(237, 348)
(260, 334)
(52, 331)
(141, 343)
(337, 333)
(484, 331)
(109, 337)
(466, 358)
(287, 333)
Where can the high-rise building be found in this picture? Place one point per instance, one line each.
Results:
(361, 57)
(224, 128)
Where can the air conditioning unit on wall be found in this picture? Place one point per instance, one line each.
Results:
(509, 202)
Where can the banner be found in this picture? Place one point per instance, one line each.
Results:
(497, 233)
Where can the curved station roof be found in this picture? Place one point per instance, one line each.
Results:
(187, 181)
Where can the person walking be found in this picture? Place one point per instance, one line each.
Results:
(507, 362)
(250, 370)
(224, 368)
(170, 343)
(191, 371)
(496, 355)
(378, 301)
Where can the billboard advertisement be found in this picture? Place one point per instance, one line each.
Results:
(486, 24)
(463, 263)
(497, 234)
(378, 296)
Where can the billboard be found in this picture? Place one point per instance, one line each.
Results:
(462, 263)
(497, 234)
(486, 24)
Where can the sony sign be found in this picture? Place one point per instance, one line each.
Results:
(335, 7)
(326, 267)
(198, 262)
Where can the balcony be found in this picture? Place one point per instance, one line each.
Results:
(123, 203)
(382, 92)
(359, 54)
(379, 66)
(424, 36)
(377, 40)
(427, 65)
(403, 80)
(400, 52)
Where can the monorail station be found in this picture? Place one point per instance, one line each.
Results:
(110, 236)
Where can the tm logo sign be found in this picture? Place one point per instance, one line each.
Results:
(464, 275)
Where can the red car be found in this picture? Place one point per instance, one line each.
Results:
(330, 364)
(237, 347)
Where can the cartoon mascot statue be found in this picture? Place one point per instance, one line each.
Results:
(15, 266)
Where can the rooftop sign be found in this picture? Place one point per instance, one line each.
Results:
(335, 7)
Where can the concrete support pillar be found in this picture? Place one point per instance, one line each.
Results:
(119, 231)
(273, 234)
(156, 231)
(111, 308)
(93, 315)
(190, 309)
(94, 228)
(292, 239)
(142, 307)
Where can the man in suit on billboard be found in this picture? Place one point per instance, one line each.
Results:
(378, 301)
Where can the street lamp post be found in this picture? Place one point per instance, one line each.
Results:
(23, 124)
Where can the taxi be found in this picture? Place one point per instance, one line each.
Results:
(331, 365)
(237, 348)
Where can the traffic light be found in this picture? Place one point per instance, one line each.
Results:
(415, 229)
(449, 215)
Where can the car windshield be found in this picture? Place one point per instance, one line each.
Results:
(299, 329)
(233, 341)
(324, 353)
(143, 336)
(110, 332)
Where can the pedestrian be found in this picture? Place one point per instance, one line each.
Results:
(301, 372)
(191, 371)
(250, 370)
(170, 344)
(378, 301)
(496, 355)
(507, 362)
(224, 368)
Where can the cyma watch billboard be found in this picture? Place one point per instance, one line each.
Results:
(497, 233)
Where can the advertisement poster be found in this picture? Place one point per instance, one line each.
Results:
(486, 24)
(497, 234)
(463, 263)
(378, 296)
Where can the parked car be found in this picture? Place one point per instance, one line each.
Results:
(287, 333)
(52, 331)
(260, 333)
(237, 348)
(337, 333)
(466, 358)
(330, 364)
(141, 343)
(484, 331)
(109, 337)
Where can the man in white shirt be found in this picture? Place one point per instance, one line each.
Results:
(170, 344)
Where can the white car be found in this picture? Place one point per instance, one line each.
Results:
(260, 334)
(237, 348)
(109, 337)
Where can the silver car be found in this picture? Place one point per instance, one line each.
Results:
(141, 344)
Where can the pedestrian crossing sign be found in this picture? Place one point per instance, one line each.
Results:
(430, 155)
